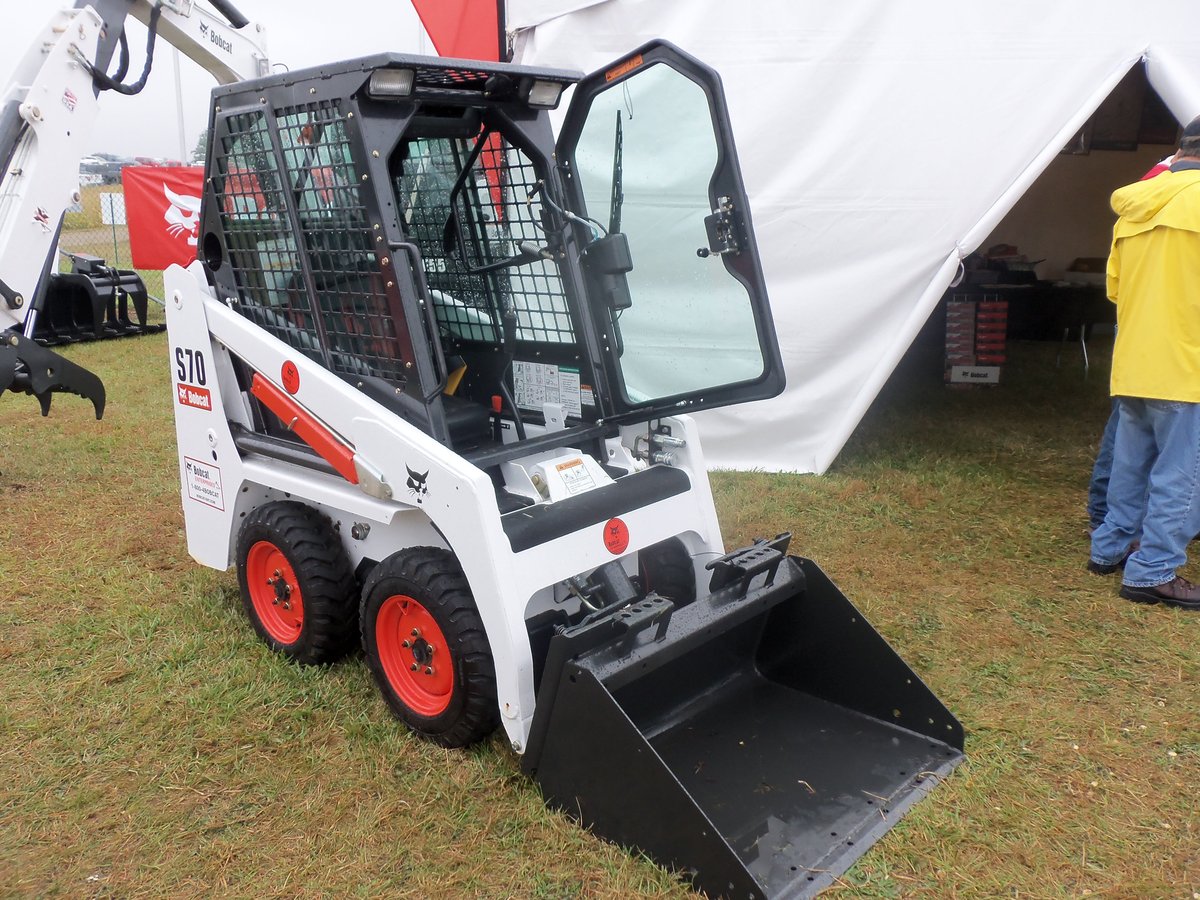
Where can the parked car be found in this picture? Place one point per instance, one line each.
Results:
(107, 166)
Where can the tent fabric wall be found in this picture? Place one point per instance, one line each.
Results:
(881, 142)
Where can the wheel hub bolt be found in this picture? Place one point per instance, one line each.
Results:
(407, 643)
(283, 590)
(429, 670)
(413, 667)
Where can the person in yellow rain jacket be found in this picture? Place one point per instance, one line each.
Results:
(1154, 279)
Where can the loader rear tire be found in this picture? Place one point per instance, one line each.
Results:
(297, 586)
(427, 649)
(666, 569)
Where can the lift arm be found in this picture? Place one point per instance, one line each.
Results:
(47, 117)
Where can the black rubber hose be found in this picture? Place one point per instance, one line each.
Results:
(106, 83)
(230, 12)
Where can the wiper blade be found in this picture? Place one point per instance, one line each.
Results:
(618, 192)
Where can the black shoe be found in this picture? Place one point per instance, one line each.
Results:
(1178, 592)
(1105, 568)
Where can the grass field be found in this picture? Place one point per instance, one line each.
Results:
(150, 746)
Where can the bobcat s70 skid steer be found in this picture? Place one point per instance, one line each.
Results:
(432, 374)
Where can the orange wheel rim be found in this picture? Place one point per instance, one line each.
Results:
(414, 655)
(275, 592)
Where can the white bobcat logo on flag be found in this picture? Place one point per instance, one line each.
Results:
(182, 215)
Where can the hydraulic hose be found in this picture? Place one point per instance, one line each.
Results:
(107, 83)
(230, 12)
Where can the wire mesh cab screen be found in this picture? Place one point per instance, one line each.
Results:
(472, 207)
(466, 206)
(340, 312)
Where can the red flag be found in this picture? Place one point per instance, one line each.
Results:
(162, 207)
(467, 29)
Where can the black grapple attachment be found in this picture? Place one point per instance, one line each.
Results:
(27, 367)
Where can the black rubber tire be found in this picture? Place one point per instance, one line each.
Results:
(666, 568)
(323, 579)
(433, 578)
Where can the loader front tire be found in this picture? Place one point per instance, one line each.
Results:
(427, 649)
(297, 586)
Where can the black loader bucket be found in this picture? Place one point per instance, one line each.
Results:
(757, 741)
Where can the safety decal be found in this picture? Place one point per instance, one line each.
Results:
(616, 536)
(416, 483)
(623, 68)
(69, 100)
(575, 476)
(42, 219)
(203, 483)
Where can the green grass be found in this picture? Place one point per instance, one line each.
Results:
(150, 746)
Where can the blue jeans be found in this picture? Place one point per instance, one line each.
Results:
(1154, 490)
(1098, 487)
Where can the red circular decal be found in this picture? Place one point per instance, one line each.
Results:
(291, 377)
(616, 536)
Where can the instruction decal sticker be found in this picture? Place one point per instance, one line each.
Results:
(203, 483)
(539, 383)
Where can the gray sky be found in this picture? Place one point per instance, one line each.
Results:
(299, 33)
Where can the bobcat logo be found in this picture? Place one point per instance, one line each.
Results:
(416, 483)
(182, 215)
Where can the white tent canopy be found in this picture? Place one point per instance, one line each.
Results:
(881, 143)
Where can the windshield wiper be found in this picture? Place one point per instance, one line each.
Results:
(618, 193)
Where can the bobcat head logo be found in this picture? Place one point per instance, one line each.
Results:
(182, 215)
(416, 483)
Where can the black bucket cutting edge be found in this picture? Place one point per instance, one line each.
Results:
(757, 741)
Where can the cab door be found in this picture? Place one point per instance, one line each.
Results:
(671, 269)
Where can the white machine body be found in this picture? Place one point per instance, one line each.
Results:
(421, 493)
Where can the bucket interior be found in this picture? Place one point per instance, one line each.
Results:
(797, 786)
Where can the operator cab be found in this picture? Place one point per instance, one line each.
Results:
(411, 224)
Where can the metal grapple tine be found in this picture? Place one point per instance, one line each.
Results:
(29, 367)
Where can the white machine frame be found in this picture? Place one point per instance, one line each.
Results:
(456, 507)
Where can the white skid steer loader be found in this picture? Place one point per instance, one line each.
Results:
(431, 375)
